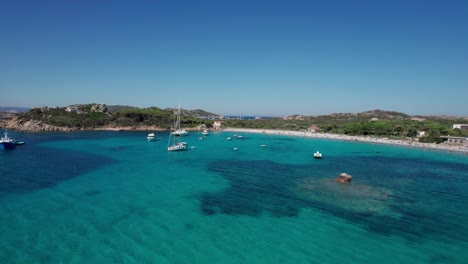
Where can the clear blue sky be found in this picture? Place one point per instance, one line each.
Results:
(238, 57)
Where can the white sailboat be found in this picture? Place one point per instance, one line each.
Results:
(176, 145)
(179, 132)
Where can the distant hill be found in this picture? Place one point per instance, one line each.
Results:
(372, 115)
(197, 113)
(116, 108)
(201, 113)
(345, 118)
(382, 114)
(13, 109)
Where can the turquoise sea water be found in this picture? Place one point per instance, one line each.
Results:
(113, 197)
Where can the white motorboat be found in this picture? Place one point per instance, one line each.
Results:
(151, 137)
(317, 155)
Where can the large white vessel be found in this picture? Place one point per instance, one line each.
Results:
(7, 142)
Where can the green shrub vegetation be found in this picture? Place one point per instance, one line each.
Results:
(349, 124)
(125, 117)
(372, 123)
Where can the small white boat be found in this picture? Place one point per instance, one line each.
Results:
(229, 138)
(317, 155)
(205, 132)
(151, 137)
(263, 145)
(240, 137)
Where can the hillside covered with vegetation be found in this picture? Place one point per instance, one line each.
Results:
(90, 116)
(371, 123)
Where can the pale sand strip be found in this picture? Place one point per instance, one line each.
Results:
(407, 143)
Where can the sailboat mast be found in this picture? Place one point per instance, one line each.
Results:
(178, 119)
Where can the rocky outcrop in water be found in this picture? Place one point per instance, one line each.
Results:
(344, 178)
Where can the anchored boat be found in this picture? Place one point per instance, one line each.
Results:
(7, 142)
(151, 137)
(317, 155)
(176, 145)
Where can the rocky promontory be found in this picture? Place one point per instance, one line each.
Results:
(101, 117)
(39, 126)
(34, 126)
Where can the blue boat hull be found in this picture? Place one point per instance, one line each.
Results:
(9, 145)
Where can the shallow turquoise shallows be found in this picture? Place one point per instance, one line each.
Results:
(114, 197)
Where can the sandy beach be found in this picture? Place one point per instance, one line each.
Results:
(407, 143)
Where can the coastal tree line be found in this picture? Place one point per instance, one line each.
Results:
(398, 128)
(372, 123)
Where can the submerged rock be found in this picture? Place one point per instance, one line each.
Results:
(325, 193)
(344, 178)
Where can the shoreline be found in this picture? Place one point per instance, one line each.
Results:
(407, 143)
(121, 128)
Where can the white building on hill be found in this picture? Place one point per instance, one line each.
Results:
(71, 109)
(460, 126)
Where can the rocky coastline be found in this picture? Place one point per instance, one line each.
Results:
(39, 126)
(33, 126)
(132, 128)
